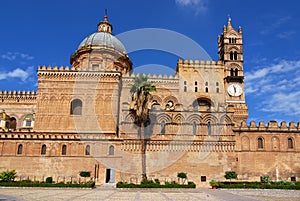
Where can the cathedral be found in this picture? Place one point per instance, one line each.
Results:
(79, 119)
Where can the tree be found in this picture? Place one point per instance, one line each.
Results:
(182, 176)
(140, 104)
(85, 174)
(230, 175)
(8, 175)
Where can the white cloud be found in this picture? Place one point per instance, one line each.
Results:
(11, 56)
(17, 73)
(276, 24)
(275, 87)
(197, 5)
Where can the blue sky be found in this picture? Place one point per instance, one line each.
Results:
(47, 32)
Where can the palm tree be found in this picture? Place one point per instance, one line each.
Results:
(140, 105)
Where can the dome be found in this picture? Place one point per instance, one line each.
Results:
(103, 39)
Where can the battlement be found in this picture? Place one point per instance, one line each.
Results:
(153, 78)
(17, 94)
(198, 63)
(270, 126)
(56, 68)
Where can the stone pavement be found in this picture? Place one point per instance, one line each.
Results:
(99, 194)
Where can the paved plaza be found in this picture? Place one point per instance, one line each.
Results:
(49, 194)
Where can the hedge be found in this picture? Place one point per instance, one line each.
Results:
(261, 185)
(27, 183)
(155, 185)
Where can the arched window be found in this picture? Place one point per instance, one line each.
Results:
(76, 107)
(194, 128)
(111, 150)
(206, 88)
(185, 87)
(235, 55)
(260, 143)
(87, 150)
(290, 143)
(43, 150)
(13, 124)
(236, 72)
(20, 149)
(231, 72)
(64, 150)
(163, 127)
(208, 128)
(196, 89)
(231, 55)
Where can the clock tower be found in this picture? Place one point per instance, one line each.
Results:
(230, 52)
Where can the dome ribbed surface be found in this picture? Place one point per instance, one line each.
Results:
(103, 39)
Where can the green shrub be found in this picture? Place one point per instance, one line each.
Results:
(85, 174)
(265, 179)
(230, 175)
(182, 175)
(49, 180)
(8, 175)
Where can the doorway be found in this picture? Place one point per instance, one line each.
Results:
(110, 176)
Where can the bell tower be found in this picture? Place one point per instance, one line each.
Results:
(230, 52)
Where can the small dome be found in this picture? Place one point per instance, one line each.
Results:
(103, 39)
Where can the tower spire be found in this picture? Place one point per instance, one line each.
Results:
(229, 23)
(105, 26)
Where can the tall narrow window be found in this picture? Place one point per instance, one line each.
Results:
(217, 89)
(43, 150)
(196, 89)
(231, 55)
(236, 72)
(163, 127)
(194, 128)
(76, 107)
(20, 149)
(87, 150)
(184, 87)
(64, 150)
(290, 143)
(260, 143)
(111, 150)
(235, 55)
(13, 123)
(208, 128)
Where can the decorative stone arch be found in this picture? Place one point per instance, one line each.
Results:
(245, 143)
(170, 102)
(275, 143)
(194, 118)
(157, 99)
(202, 104)
(225, 119)
(210, 118)
(163, 117)
(179, 118)
(129, 118)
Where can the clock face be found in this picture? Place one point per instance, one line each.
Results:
(235, 90)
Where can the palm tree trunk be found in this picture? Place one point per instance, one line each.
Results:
(143, 141)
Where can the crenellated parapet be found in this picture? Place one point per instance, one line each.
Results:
(70, 73)
(17, 96)
(270, 126)
(198, 64)
(158, 79)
